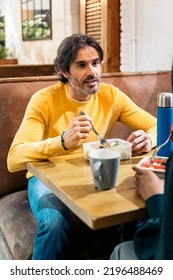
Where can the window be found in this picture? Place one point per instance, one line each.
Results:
(2, 31)
(36, 19)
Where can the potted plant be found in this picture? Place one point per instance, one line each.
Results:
(5, 56)
(4, 52)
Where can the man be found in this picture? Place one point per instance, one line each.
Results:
(52, 127)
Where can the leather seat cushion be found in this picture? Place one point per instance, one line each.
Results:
(18, 224)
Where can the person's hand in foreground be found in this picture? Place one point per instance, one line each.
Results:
(148, 183)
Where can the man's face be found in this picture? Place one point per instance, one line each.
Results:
(84, 74)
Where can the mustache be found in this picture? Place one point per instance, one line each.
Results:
(90, 77)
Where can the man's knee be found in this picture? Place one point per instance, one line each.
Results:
(51, 221)
(50, 201)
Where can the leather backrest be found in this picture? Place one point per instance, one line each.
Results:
(14, 96)
(142, 88)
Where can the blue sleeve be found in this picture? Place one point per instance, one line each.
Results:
(154, 205)
(146, 237)
(153, 240)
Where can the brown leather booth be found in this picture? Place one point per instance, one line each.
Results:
(16, 70)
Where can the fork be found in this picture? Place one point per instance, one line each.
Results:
(154, 154)
(104, 143)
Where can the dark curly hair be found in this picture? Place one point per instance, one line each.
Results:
(68, 49)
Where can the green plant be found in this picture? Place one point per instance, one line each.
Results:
(37, 28)
(4, 52)
(2, 31)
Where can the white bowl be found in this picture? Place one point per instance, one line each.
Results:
(155, 167)
(119, 145)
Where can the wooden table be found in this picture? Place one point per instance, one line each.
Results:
(70, 178)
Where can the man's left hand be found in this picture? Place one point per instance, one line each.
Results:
(141, 142)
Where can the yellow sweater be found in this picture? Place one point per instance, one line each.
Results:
(49, 113)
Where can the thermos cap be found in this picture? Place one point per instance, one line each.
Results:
(165, 99)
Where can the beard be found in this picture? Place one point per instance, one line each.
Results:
(92, 85)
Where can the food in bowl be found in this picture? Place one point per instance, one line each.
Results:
(157, 165)
(119, 145)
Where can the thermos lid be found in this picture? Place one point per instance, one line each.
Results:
(165, 99)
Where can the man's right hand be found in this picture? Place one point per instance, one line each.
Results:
(79, 128)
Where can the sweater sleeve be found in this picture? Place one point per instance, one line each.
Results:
(30, 143)
(154, 205)
(147, 236)
(131, 115)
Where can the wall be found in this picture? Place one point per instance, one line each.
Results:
(155, 42)
(147, 35)
(65, 21)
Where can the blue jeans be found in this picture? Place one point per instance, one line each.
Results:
(53, 222)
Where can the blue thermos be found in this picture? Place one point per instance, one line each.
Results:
(164, 121)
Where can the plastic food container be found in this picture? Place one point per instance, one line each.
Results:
(158, 166)
(119, 145)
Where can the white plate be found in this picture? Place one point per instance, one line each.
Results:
(123, 147)
(159, 172)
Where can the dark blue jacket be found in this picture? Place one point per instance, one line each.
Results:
(154, 239)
